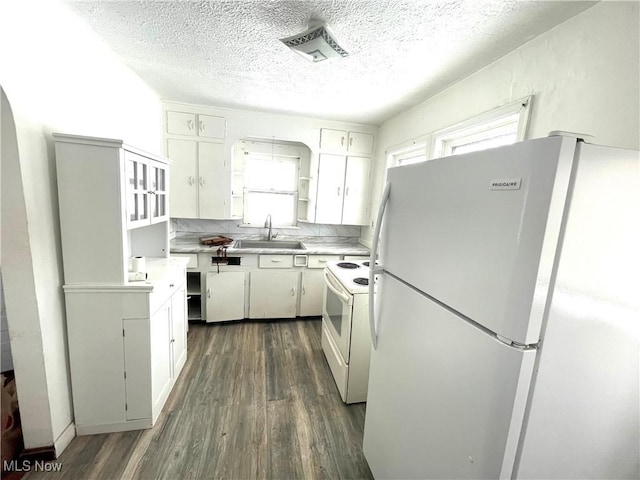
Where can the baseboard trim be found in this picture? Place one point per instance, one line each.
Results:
(38, 454)
(64, 439)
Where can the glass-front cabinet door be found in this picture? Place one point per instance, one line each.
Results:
(137, 172)
(158, 191)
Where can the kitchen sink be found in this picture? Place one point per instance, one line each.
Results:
(281, 244)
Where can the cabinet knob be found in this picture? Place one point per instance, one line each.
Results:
(293, 291)
(339, 188)
(190, 125)
(171, 285)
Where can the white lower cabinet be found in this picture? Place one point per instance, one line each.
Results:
(311, 290)
(179, 329)
(273, 294)
(312, 285)
(264, 286)
(225, 296)
(127, 346)
(137, 351)
(160, 333)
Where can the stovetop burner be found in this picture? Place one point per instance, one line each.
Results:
(361, 281)
(348, 265)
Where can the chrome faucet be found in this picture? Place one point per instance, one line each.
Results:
(267, 224)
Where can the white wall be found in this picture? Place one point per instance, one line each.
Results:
(57, 76)
(584, 75)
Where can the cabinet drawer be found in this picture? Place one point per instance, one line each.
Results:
(275, 261)
(165, 287)
(320, 261)
(193, 258)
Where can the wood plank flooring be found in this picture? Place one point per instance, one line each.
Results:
(255, 400)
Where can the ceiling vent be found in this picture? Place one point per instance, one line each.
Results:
(316, 44)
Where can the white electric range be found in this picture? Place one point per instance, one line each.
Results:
(346, 340)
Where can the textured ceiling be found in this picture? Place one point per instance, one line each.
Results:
(227, 53)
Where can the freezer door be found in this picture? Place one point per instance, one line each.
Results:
(442, 394)
(479, 231)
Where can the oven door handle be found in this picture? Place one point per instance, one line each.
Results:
(346, 298)
(374, 269)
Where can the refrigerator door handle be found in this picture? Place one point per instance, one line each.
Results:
(375, 269)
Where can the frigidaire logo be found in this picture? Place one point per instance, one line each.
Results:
(505, 184)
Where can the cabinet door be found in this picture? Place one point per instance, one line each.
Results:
(311, 290)
(137, 179)
(212, 126)
(184, 177)
(161, 362)
(214, 181)
(178, 330)
(333, 140)
(360, 143)
(273, 294)
(158, 192)
(330, 189)
(181, 123)
(356, 191)
(137, 352)
(225, 296)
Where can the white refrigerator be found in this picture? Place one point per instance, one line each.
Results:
(505, 322)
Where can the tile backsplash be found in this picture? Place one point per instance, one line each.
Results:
(232, 227)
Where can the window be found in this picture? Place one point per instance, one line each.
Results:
(408, 155)
(502, 126)
(270, 187)
(415, 152)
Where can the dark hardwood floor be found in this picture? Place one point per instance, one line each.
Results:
(254, 400)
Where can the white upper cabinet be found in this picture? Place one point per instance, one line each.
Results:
(201, 175)
(146, 190)
(343, 190)
(343, 177)
(345, 141)
(360, 143)
(213, 127)
(355, 208)
(113, 200)
(184, 177)
(214, 181)
(210, 126)
(200, 180)
(330, 188)
(333, 140)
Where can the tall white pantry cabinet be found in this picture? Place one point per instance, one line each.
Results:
(127, 339)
